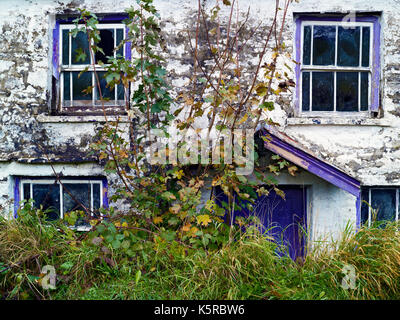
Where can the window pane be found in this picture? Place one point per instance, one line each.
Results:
(47, 195)
(75, 195)
(106, 43)
(120, 37)
(365, 47)
(65, 47)
(364, 206)
(364, 91)
(107, 93)
(307, 45)
(27, 191)
(67, 88)
(384, 202)
(79, 84)
(347, 91)
(324, 45)
(306, 92)
(349, 46)
(322, 91)
(80, 49)
(121, 93)
(96, 198)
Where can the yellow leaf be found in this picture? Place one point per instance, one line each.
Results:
(203, 219)
(193, 231)
(125, 224)
(175, 208)
(243, 119)
(157, 220)
(292, 170)
(186, 227)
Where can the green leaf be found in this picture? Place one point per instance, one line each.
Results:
(269, 105)
(116, 244)
(125, 244)
(168, 235)
(138, 276)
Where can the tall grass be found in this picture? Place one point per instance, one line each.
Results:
(247, 268)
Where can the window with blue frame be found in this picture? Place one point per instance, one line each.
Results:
(77, 87)
(379, 204)
(59, 197)
(338, 70)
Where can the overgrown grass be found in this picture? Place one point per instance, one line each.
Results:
(247, 268)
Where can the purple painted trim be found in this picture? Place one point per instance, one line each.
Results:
(105, 194)
(128, 46)
(358, 212)
(312, 164)
(17, 196)
(56, 54)
(298, 63)
(101, 18)
(376, 66)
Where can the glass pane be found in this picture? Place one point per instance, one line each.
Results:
(79, 84)
(47, 195)
(364, 206)
(65, 47)
(347, 91)
(305, 97)
(348, 47)
(120, 37)
(324, 45)
(322, 91)
(67, 88)
(307, 45)
(107, 93)
(27, 191)
(121, 95)
(76, 196)
(365, 47)
(384, 202)
(364, 91)
(106, 43)
(80, 49)
(96, 198)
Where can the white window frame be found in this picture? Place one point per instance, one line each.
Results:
(80, 67)
(63, 181)
(334, 68)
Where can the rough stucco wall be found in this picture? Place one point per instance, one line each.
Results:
(371, 154)
(367, 149)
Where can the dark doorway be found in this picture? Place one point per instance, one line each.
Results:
(283, 219)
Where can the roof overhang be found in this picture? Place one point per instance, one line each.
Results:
(309, 162)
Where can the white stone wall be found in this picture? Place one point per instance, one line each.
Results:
(367, 149)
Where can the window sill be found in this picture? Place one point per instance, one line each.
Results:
(336, 121)
(80, 119)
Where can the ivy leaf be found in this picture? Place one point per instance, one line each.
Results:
(292, 170)
(168, 235)
(80, 55)
(157, 220)
(116, 244)
(269, 105)
(203, 219)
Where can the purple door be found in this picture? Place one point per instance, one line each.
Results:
(283, 219)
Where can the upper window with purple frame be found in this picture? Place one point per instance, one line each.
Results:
(338, 70)
(76, 86)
